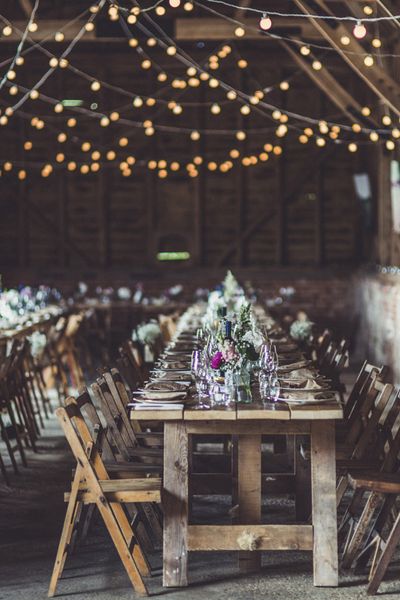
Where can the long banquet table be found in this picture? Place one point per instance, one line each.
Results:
(248, 422)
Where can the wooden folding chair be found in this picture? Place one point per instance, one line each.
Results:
(131, 365)
(93, 485)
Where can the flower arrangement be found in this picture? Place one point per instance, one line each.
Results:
(147, 333)
(37, 341)
(301, 330)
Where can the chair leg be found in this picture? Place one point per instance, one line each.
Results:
(381, 564)
(374, 501)
(4, 471)
(9, 447)
(66, 534)
(113, 523)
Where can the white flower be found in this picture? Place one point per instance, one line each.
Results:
(255, 338)
(301, 330)
(148, 333)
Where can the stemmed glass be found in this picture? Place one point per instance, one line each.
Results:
(199, 368)
(269, 387)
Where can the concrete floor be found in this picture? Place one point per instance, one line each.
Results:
(31, 515)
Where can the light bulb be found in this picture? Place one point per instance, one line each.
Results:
(345, 40)
(53, 62)
(240, 135)
(368, 61)
(284, 85)
(386, 120)
(366, 111)
(123, 141)
(305, 50)
(239, 32)
(316, 65)
(95, 86)
(104, 121)
(59, 36)
(171, 50)
(34, 95)
(28, 145)
(373, 136)
(265, 22)
(194, 136)
(245, 110)
(62, 137)
(231, 95)
(7, 31)
(133, 42)
(22, 174)
(320, 142)
(63, 63)
(174, 3)
(359, 30)
(390, 145)
(114, 116)
(352, 147)
(111, 155)
(215, 109)
(160, 11)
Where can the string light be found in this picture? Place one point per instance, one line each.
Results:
(368, 61)
(265, 22)
(376, 43)
(359, 30)
(239, 32)
(305, 50)
(390, 145)
(352, 147)
(174, 3)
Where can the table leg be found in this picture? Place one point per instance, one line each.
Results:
(249, 494)
(323, 478)
(302, 482)
(175, 504)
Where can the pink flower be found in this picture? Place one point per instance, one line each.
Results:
(217, 360)
(229, 352)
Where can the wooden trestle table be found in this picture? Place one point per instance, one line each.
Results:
(248, 422)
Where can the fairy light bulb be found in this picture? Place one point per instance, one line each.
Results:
(276, 114)
(359, 30)
(62, 137)
(177, 110)
(151, 42)
(53, 62)
(63, 63)
(352, 147)
(316, 65)
(111, 155)
(20, 61)
(193, 82)
(215, 109)
(320, 142)
(305, 50)
(234, 153)
(11, 75)
(323, 127)
(265, 22)
(60, 157)
(242, 64)
(345, 40)
(7, 30)
(133, 42)
(146, 64)
(188, 6)
(390, 145)
(89, 26)
(84, 169)
(8, 166)
(245, 110)
(212, 166)
(160, 11)
(365, 111)
(240, 135)
(132, 19)
(373, 136)
(198, 160)
(59, 36)
(34, 95)
(239, 32)
(123, 142)
(171, 50)
(213, 83)
(231, 95)
(263, 156)
(195, 136)
(95, 155)
(151, 101)
(396, 133)
(368, 10)
(368, 60)
(376, 43)
(114, 116)
(104, 121)
(33, 27)
(13, 91)
(356, 127)
(303, 139)
(149, 131)
(95, 86)
(22, 174)
(28, 146)
(174, 3)
(58, 108)
(40, 124)
(284, 86)
(71, 122)
(86, 146)
(386, 120)
(308, 131)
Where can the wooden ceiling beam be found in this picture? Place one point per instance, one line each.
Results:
(26, 7)
(211, 28)
(47, 29)
(329, 85)
(375, 77)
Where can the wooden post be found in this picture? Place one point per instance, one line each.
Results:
(249, 496)
(320, 206)
(384, 206)
(200, 184)
(175, 503)
(323, 477)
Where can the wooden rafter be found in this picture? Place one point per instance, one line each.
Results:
(26, 7)
(375, 77)
(328, 85)
(211, 28)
